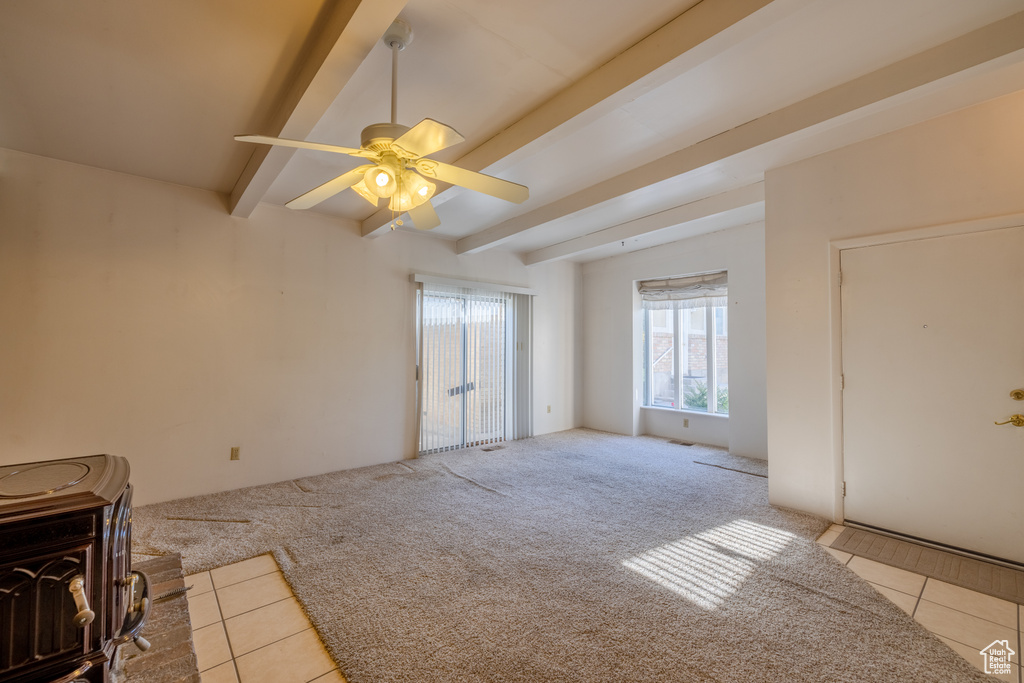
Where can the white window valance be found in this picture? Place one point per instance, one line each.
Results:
(691, 291)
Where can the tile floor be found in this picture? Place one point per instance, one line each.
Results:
(247, 627)
(965, 620)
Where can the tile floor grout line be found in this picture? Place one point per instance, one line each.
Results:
(920, 598)
(278, 641)
(960, 611)
(227, 638)
(909, 595)
(959, 642)
(224, 629)
(336, 668)
(244, 580)
(234, 616)
(917, 603)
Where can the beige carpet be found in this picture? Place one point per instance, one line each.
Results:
(572, 557)
(720, 457)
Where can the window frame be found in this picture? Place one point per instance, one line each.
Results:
(680, 351)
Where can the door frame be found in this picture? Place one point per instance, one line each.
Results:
(836, 247)
(518, 352)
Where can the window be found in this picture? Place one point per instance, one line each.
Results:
(686, 343)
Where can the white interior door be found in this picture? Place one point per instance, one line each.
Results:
(933, 345)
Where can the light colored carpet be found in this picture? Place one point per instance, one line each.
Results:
(720, 457)
(572, 557)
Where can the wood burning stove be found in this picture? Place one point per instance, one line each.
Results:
(68, 596)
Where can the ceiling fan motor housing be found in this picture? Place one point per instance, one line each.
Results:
(379, 136)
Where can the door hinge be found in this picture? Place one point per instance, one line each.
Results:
(417, 373)
(842, 381)
(844, 489)
(840, 278)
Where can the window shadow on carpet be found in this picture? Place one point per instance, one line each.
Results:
(709, 567)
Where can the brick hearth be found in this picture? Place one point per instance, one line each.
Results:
(171, 659)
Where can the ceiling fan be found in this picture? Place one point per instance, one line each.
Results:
(398, 169)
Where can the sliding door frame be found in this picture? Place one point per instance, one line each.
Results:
(518, 350)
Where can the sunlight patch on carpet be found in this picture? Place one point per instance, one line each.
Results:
(708, 567)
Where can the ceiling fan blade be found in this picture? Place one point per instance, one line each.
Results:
(496, 187)
(302, 144)
(424, 217)
(329, 189)
(426, 137)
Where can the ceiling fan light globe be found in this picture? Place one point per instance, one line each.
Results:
(420, 189)
(407, 195)
(401, 201)
(380, 181)
(363, 191)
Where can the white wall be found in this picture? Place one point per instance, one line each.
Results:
(612, 356)
(138, 318)
(963, 166)
(557, 360)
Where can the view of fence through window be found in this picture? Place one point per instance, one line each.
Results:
(691, 344)
(463, 370)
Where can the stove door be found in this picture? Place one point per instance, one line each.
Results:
(38, 609)
(120, 568)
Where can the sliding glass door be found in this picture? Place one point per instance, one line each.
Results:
(466, 342)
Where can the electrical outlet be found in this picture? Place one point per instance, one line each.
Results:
(549, 409)
(236, 452)
(686, 422)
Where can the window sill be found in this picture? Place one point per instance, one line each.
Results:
(688, 413)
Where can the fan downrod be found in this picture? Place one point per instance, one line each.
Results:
(397, 38)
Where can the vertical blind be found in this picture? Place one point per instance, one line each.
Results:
(472, 357)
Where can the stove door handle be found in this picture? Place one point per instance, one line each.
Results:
(85, 615)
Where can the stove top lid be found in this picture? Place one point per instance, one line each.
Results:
(42, 479)
(56, 485)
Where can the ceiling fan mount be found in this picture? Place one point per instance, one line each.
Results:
(398, 36)
(398, 168)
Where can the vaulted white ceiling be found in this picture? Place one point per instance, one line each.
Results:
(633, 124)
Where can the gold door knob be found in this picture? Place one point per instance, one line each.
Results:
(1015, 420)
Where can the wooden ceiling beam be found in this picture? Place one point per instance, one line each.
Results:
(988, 44)
(733, 201)
(345, 37)
(707, 29)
